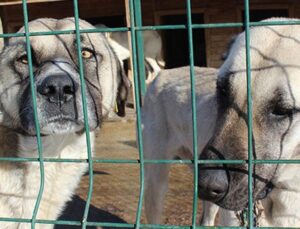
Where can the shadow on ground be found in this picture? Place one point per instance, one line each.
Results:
(129, 143)
(74, 212)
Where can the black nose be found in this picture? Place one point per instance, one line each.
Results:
(212, 184)
(58, 88)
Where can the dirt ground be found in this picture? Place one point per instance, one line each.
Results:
(116, 186)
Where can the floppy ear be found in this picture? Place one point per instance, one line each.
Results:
(228, 48)
(123, 90)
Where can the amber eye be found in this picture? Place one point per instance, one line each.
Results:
(86, 54)
(23, 59)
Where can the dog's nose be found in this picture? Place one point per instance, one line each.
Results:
(58, 88)
(212, 184)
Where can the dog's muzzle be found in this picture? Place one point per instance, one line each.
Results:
(58, 89)
(58, 93)
(213, 180)
(212, 184)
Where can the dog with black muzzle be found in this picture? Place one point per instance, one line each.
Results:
(60, 114)
(221, 104)
(275, 70)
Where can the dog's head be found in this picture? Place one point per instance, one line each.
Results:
(57, 79)
(275, 71)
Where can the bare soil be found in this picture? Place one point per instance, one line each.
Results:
(116, 186)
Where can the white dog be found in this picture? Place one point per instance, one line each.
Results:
(59, 107)
(167, 130)
(152, 50)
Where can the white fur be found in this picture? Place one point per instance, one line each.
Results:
(167, 131)
(21, 181)
(282, 204)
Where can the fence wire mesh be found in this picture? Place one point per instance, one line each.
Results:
(135, 30)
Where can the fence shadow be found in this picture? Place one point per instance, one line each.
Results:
(74, 212)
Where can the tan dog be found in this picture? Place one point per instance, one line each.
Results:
(275, 70)
(167, 130)
(222, 122)
(59, 106)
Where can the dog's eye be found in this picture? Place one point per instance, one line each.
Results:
(23, 59)
(87, 54)
(281, 111)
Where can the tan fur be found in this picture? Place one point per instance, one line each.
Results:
(275, 70)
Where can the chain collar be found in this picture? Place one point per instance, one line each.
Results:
(242, 216)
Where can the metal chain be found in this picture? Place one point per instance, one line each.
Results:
(242, 216)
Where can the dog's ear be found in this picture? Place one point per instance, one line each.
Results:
(228, 48)
(123, 90)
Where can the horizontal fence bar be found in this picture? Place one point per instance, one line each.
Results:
(66, 32)
(218, 25)
(137, 161)
(122, 225)
(40, 221)
(158, 27)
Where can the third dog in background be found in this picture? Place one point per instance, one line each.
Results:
(152, 50)
(167, 129)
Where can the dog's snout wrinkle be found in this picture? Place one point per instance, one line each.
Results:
(58, 89)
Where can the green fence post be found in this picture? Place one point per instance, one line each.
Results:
(85, 114)
(138, 110)
(140, 46)
(194, 110)
(249, 117)
(36, 120)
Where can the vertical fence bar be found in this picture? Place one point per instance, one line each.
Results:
(249, 117)
(194, 116)
(138, 112)
(35, 114)
(140, 46)
(85, 115)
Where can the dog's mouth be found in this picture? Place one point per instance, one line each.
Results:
(228, 187)
(57, 124)
(239, 200)
(57, 114)
(60, 124)
(60, 119)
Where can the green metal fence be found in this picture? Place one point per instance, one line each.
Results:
(138, 70)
